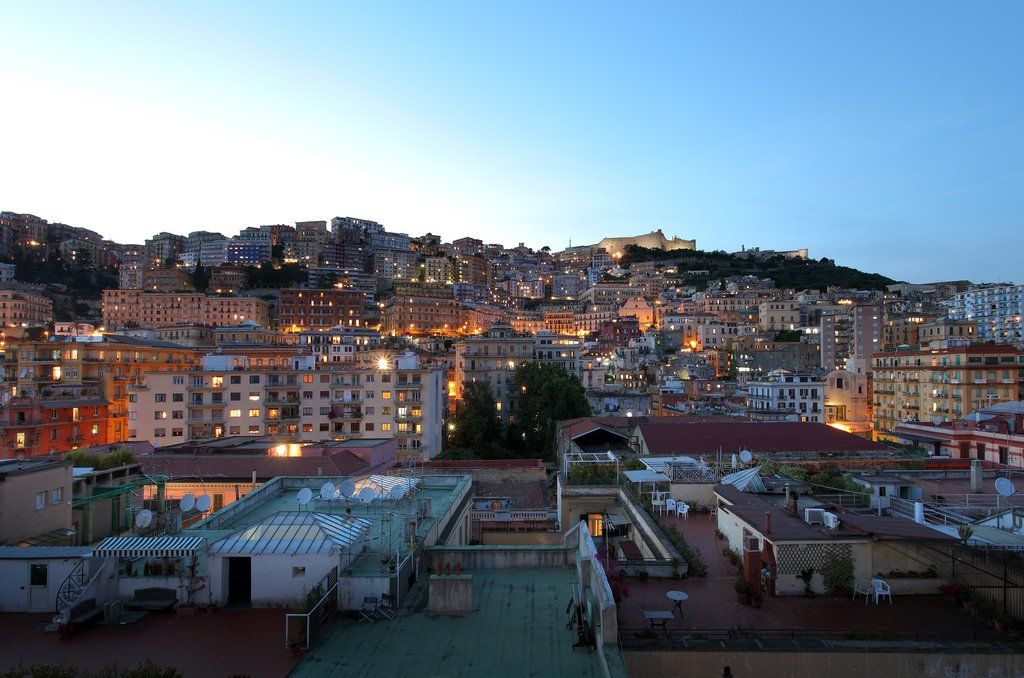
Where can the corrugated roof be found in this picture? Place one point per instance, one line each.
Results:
(747, 480)
(293, 532)
(42, 552)
(708, 438)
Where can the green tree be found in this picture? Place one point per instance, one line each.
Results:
(547, 395)
(201, 278)
(476, 426)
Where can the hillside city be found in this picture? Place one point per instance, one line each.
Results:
(329, 448)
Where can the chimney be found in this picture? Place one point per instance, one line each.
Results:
(254, 476)
(767, 522)
(919, 512)
(319, 470)
(975, 476)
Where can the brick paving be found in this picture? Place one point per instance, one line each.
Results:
(222, 644)
(712, 602)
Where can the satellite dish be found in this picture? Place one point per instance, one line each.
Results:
(1005, 487)
(746, 456)
(143, 518)
(348, 488)
(304, 496)
(327, 490)
(936, 421)
(396, 493)
(366, 495)
(187, 503)
(203, 503)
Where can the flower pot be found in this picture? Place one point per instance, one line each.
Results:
(187, 610)
(755, 602)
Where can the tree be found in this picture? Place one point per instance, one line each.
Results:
(476, 426)
(201, 278)
(547, 395)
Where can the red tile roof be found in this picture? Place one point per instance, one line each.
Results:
(482, 463)
(240, 466)
(706, 438)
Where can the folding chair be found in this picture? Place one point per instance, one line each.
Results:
(368, 610)
(387, 606)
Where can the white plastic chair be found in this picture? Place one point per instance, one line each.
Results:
(670, 505)
(658, 502)
(881, 589)
(863, 588)
(683, 509)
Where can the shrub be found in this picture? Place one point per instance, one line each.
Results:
(838, 574)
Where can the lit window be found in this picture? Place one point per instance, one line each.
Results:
(254, 413)
(235, 414)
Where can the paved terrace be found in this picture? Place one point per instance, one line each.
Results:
(517, 629)
(222, 644)
(712, 607)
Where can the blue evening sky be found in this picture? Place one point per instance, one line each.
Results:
(888, 136)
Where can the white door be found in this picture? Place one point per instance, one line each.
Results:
(39, 599)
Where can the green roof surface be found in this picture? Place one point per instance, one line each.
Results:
(517, 629)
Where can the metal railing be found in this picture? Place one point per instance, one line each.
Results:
(633, 638)
(301, 628)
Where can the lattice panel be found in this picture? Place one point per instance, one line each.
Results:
(795, 558)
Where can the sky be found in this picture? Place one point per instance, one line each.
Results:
(886, 136)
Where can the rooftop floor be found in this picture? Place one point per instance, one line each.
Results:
(223, 644)
(517, 629)
(712, 606)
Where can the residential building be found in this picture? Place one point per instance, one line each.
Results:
(836, 339)
(171, 279)
(422, 309)
(310, 238)
(609, 294)
(340, 344)
(997, 309)
(24, 309)
(946, 332)
(847, 401)
(35, 502)
(34, 425)
(994, 433)
(395, 264)
(136, 308)
(299, 309)
(785, 396)
(941, 383)
(779, 316)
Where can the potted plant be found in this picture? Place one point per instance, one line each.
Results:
(742, 588)
(193, 584)
(755, 598)
(676, 574)
(807, 575)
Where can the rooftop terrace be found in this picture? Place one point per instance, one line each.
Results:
(517, 629)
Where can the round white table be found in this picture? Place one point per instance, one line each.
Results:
(677, 597)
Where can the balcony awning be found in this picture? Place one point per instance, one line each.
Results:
(149, 547)
(645, 476)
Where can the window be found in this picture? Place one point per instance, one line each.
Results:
(298, 571)
(19, 439)
(57, 496)
(595, 524)
(160, 397)
(234, 414)
(236, 379)
(178, 397)
(254, 379)
(254, 395)
(95, 429)
(386, 395)
(254, 412)
(40, 500)
(160, 414)
(254, 430)
(159, 433)
(37, 574)
(385, 426)
(234, 397)
(307, 411)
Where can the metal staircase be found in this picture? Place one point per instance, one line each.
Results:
(72, 587)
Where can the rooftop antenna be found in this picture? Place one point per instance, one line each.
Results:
(304, 496)
(327, 490)
(746, 456)
(187, 503)
(1005, 487)
(348, 488)
(143, 518)
(203, 503)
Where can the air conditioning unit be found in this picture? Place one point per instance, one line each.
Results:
(831, 520)
(814, 516)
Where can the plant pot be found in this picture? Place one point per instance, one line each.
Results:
(186, 610)
(755, 602)
(743, 598)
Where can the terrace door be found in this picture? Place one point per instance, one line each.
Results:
(39, 588)
(240, 581)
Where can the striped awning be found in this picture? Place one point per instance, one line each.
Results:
(149, 547)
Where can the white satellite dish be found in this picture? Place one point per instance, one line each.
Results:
(746, 456)
(143, 518)
(187, 503)
(1005, 487)
(936, 421)
(304, 496)
(348, 488)
(327, 490)
(203, 503)
(365, 495)
(396, 493)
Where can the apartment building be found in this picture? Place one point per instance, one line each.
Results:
(901, 329)
(785, 396)
(65, 373)
(395, 264)
(299, 309)
(35, 502)
(35, 425)
(137, 308)
(946, 332)
(778, 316)
(309, 241)
(734, 307)
(24, 309)
(836, 338)
(166, 279)
(998, 310)
(422, 309)
(438, 271)
(609, 294)
(306, 401)
(493, 357)
(560, 322)
(941, 383)
(340, 344)
(867, 331)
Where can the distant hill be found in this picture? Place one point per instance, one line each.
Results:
(793, 273)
